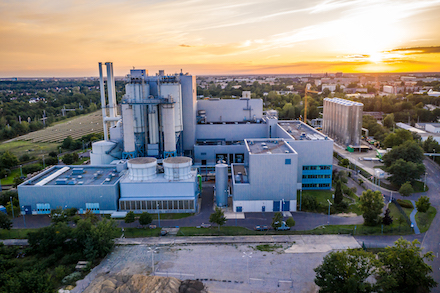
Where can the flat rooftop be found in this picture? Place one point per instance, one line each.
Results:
(269, 146)
(300, 131)
(76, 175)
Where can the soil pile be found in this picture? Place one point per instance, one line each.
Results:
(140, 284)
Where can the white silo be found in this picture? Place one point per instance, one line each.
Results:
(141, 169)
(177, 168)
(221, 185)
(103, 152)
(169, 136)
(127, 126)
(173, 90)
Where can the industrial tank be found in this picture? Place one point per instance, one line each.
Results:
(177, 168)
(104, 152)
(221, 185)
(140, 169)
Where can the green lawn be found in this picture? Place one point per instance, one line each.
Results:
(171, 216)
(362, 230)
(418, 186)
(19, 148)
(424, 219)
(138, 232)
(408, 210)
(10, 179)
(354, 208)
(15, 233)
(395, 214)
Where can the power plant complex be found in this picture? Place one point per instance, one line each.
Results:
(161, 142)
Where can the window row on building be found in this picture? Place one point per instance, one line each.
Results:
(144, 205)
(316, 185)
(316, 176)
(317, 167)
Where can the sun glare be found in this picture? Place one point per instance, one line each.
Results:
(376, 57)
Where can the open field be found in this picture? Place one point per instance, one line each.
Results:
(19, 148)
(76, 128)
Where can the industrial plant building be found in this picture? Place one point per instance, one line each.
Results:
(156, 152)
(342, 120)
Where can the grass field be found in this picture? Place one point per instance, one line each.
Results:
(407, 210)
(10, 179)
(21, 147)
(76, 128)
(170, 216)
(323, 195)
(424, 220)
(139, 232)
(15, 233)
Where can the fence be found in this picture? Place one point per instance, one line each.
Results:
(408, 221)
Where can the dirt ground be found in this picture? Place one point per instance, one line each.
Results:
(223, 268)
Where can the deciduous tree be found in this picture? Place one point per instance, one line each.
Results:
(145, 219)
(346, 272)
(423, 204)
(218, 217)
(5, 222)
(371, 204)
(404, 268)
(129, 217)
(406, 189)
(276, 220)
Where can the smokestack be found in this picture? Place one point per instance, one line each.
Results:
(111, 91)
(103, 106)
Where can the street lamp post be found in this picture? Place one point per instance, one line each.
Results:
(329, 204)
(23, 213)
(247, 256)
(153, 251)
(424, 186)
(158, 212)
(12, 207)
(44, 166)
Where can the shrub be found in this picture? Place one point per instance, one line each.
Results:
(405, 204)
(24, 158)
(341, 207)
(27, 169)
(309, 202)
(69, 279)
(60, 271)
(290, 222)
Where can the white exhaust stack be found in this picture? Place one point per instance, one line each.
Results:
(111, 91)
(103, 104)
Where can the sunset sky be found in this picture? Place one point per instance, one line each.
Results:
(69, 38)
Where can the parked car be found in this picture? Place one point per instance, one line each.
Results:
(152, 226)
(205, 225)
(283, 226)
(261, 228)
(163, 232)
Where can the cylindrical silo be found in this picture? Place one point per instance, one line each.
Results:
(221, 185)
(169, 135)
(177, 168)
(140, 169)
(153, 124)
(99, 155)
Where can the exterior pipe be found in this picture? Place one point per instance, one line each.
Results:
(102, 89)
